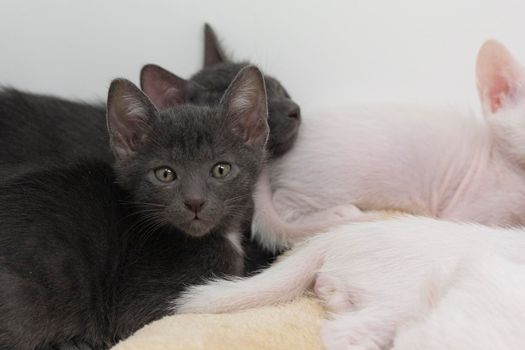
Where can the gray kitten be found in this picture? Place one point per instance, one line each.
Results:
(90, 253)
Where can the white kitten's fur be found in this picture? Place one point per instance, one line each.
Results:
(483, 308)
(446, 281)
(444, 163)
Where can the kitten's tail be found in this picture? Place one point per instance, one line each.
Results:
(287, 279)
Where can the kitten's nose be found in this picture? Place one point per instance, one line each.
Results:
(294, 112)
(195, 204)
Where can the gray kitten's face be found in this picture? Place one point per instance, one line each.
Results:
(284, 115)
(193, 172)
(192, 167)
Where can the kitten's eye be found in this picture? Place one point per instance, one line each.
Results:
(165, 174)
(221, 170)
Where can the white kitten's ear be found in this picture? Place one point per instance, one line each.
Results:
(245, 107)
(164, 88)
(129, 116)
(213, 52)
(499, 75)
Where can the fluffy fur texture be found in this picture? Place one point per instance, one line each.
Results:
(91, 253)
(377, 277)
(438, 162)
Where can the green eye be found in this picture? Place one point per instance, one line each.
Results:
(221, 170)
(165, 174)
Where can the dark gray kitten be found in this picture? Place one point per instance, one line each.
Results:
(90, 253)
(208, 85)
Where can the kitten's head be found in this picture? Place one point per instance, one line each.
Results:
(501, 86)
(208, 85)
(193, 167)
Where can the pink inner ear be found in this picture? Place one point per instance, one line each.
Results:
(499, 89)
(163, 88)
(162, 94)
(498, 74)
(170, 98)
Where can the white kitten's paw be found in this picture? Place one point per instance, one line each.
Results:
(337, 335)
(332, 293)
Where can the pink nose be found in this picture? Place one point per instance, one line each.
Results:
(195, 204)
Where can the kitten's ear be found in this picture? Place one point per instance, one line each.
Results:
(499, 75)
(129, 116)
(245, 107)
(213, 53)
(164, 88)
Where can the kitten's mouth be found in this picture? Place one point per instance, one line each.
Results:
(198, 227)
(198, 219)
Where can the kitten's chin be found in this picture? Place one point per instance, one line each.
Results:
(197, 228)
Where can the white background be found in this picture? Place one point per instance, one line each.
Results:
(327, 53)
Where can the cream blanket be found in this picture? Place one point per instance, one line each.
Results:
(289, 326)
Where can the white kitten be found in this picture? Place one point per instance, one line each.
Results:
(377, 277)
(444, 163)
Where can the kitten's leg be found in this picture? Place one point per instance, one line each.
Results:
(297, 208)
(275, 232)
(371, 328)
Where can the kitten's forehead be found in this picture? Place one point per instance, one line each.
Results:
(192, 133)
